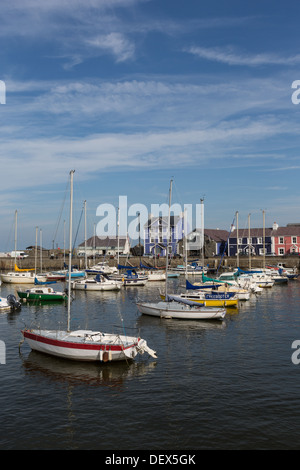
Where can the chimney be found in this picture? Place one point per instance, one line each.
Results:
(275, 226)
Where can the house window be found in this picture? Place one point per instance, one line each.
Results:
(259, 240)
(240, 241)
(249, 241)
(281, 240)
(281, 251)
(294, 239)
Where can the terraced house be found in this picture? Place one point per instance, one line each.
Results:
(273, 241)
(287, 239)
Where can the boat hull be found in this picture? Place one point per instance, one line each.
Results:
(56, 277)
(180, 311)
(18, 278)
(21, 278)
(76, 274)
(89, 286)
(135, 282)
(85, 345)
(206, 302)
(4, 305)
(34, 296)
(153, 276)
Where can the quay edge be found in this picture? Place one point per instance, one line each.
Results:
(227, 263)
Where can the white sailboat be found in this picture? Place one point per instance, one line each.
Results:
(20, 276)
(175, 307)
(153, 274)
(101, 268)
(158, 275)
(99, 283)
(84, 345)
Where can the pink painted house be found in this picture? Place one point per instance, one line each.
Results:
(286, 240)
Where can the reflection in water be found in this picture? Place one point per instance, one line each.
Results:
(76, 373)
(185, 326)
(233, 380)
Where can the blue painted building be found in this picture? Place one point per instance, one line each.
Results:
(253, 242)
(155, 235)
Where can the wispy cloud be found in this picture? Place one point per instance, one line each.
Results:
(115, 43)
(71, 29)
(48, 159)
(232, 56)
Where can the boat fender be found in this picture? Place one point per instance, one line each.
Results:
(109, 355)
(105, 356)
(101, 355)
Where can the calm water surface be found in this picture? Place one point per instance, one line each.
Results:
(215, 385)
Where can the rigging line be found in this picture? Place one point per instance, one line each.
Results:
(178, 196)
(61, 211)
(77, 230)
(226, 244)
(175, 188)
(10, 234)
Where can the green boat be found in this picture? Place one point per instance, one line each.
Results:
(41, 293)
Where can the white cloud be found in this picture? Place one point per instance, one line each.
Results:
(231, 56)
(70, 29)
(114, 43)
(45, 160)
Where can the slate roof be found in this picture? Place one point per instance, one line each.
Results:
(214, 234)
(173, 220)
(104, 242)
(289, 230)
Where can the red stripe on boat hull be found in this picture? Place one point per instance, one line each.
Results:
(70, 345)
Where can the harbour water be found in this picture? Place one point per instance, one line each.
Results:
(215, 385)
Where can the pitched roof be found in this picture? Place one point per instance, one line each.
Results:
(292, 230)
(214, 234)
(254, 232)
(104, 242)
(164, 219)
(289, 230)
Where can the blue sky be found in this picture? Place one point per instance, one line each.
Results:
(132, 93)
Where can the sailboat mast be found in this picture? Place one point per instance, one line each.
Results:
(85, 253)
(16, 229)
(185, 242)
(139, 214)
(237, 240)
(118, 236)
(249, 244)
(168, 236)
(70, 246)
(64, 243)
(41, 251)
(202, 232)
(35, 251)
(264, 240)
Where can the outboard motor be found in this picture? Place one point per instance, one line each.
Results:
(13, 302)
